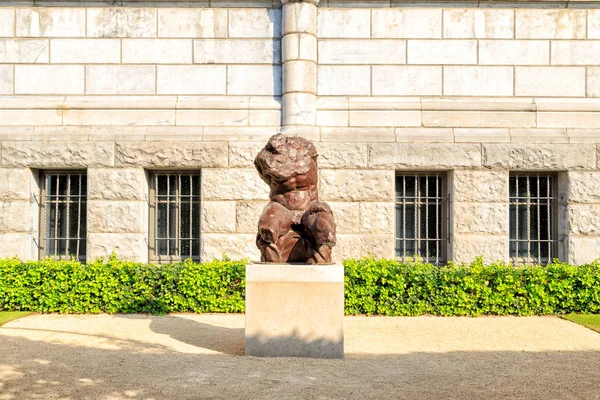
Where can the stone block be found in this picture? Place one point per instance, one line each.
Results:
(295, 310)
(86, 51)
(406, 23)
(51, 22)
(299, 76)
(57, 154)
(30, 51)
(16, 216)
(192, 23)
(332, 118)
(191, 79)
(247, 215)
(583, 250)
(574, 52)
(583, 187)
(384, 51)
(242, 134)
(424, 135)
(254, 23)
(116, 216)
(298, 109)
(237, 51)
(161, 154)
(119, 117)
(480, 24)
(7, 22)
(18, 244)
(6, 79)
(218, 216)
(122, 22)
(117, 184)
(212, 117)
(417, 156)
(120, 79)
(254, 80)
(362, 245)
(471, 185)
(539, 135)
(344, 80)
(550, 24)
(583, 219)
(157, 51)
(233, 184)
(347, 217)
(478, 81)
(299, 46)
(364, 135)
(235, 246)
(480, 218)
(299, 17)
(514, 52)
(478, 135)
(442, 52)
(264, 118)
(568, 120)
(242, 154)
(537, 156)
(49, 79)
(343, 23)
(127, 246)
(465, 248)
(377, 217)
(592, 81)
(356, 185)
(593, 24)
(479, 119)
(334, 156)
(16, 184)
(385, 118)
(407, 80)
(30, 118)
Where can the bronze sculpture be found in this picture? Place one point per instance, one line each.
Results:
(295, 226)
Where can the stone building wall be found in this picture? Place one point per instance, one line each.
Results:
(381, 87)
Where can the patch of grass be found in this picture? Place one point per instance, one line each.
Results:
(591, 321)
(6, 316)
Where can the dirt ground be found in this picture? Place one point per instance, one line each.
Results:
(201, 357)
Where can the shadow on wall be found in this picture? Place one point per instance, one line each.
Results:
(139, 370)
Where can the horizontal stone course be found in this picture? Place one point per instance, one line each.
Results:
(86, 51)
(158, 154)
(237, 51)
(340, 23)
(191, 79)
(442, 52)
(547, 157)
(514, 52)
(24, 51)
(432, 156)
(50, 22)
(57, 154)
(406, 23)
(362, 51)
(123, 22)
(120, 79)
(254, 23)
(550, 24)
(157, 51)
(407, 80)
(478, 81)
(474, 23)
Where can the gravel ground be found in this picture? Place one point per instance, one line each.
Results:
(200, 357)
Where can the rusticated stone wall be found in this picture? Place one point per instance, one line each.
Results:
(380, 87)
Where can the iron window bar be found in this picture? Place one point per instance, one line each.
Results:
(175, 216)
(532, 215)
(63, 217)
(421, 217)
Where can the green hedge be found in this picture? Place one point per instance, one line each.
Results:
(373, 286)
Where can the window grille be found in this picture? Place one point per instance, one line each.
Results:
(175, 217)
(421, 217)
(532, 217)
(63, 217)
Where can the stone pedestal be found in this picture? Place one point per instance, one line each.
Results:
(295, 310)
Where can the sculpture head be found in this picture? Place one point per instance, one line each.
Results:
(285, 157)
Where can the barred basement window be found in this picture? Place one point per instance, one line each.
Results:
(175, 216)
(421, 217)
(63, 215)
(533, 233)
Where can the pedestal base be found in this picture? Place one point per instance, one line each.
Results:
(295, 310)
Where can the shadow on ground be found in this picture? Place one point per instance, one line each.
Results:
(141, 370)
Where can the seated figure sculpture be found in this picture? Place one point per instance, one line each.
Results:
(295, 226)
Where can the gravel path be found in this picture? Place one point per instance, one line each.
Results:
(199, 357)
